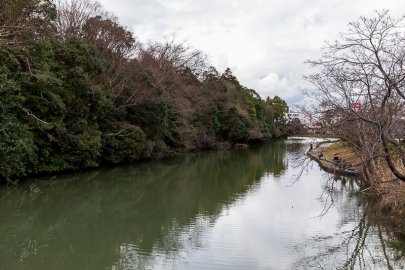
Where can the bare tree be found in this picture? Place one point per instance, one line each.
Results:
(73, 15)
(361, 82)
(178, 57)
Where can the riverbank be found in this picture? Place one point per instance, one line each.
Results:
(388, 191)
(336, 158)
(214, 147)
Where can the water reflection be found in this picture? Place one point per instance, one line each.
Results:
(243, 209)
(112, 215)
(362, 241)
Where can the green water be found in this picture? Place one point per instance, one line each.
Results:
(260, 208)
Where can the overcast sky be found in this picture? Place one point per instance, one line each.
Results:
(264, 42)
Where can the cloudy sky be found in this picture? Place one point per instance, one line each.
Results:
(264, 42)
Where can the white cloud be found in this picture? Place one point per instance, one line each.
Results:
(272, 84)
(264, 42)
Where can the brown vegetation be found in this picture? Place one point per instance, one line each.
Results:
(360, 89)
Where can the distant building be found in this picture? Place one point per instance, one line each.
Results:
(307, 120)
(300, 116)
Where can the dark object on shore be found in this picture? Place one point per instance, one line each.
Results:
(311, 147)
(320, 156)
(343, 164)
(351, 171)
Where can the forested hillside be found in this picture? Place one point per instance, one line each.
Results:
(77, 90)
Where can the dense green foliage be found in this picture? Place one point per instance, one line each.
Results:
(72, 101)
(280, 110)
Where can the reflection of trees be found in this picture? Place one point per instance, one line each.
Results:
(124, 215)
(273, 157)
(362, 242)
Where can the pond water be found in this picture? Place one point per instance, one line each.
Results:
(266, 207)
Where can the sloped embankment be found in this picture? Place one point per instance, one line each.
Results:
(383, 184)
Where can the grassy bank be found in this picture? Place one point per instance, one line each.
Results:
(345, 152)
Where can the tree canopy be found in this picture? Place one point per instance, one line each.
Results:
(78, 91)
